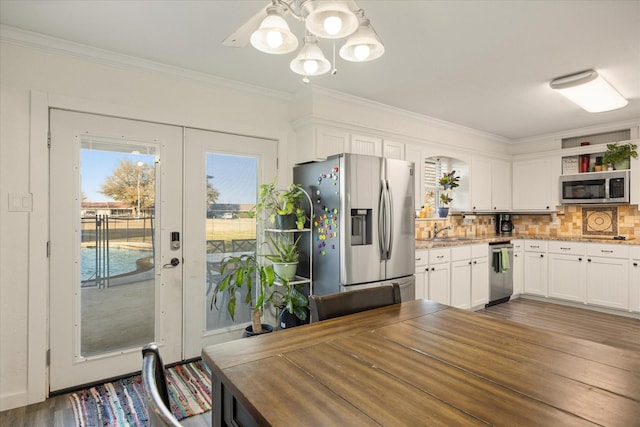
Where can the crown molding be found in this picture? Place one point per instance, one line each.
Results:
(432, 121)
(572, 133)
(24, 38)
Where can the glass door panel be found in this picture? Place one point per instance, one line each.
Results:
(230, 226)
(117, 269)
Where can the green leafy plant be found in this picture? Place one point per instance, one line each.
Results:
(292, 300)
(284, 249)
(449, 181)
(273, 201)
(245, 272)
(617, 153)
(445, 198)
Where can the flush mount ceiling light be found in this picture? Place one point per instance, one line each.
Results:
(322, 19)
(590, 91)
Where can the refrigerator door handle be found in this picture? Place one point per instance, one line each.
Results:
(382, 232)
(390, 218)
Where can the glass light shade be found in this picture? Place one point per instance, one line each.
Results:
(310, 61)
(274, 35)
(589, 91)
(330, 19)
(364, 45)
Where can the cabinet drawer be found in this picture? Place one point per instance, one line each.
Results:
(535, 246)
(422, 258)
(437, 256)
(460, 253)
(608, 251)
(635, 252)
(569, 248)
(478, 251)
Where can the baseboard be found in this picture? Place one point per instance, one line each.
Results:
(580, 305)
(13, 400)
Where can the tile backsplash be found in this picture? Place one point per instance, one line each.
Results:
(566, 222)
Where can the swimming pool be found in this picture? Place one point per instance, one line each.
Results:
(121, 260)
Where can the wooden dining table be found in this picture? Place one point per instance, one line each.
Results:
(421, 363)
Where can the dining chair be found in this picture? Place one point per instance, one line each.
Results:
(325, 307)
(154, 383)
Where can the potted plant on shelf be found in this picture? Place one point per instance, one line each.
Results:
(293, 305)
(242, 273)
(284, 256)
(283, 207)
(449, 181)
(620, 155)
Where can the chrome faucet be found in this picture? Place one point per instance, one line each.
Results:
(436, 231)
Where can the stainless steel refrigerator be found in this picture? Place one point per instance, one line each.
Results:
(363, 223)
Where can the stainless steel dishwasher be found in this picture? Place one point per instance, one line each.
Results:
(500, 272)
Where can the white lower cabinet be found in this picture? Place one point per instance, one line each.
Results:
(461, 277)
(608, 276)
(518, 267)
(422, 261)
(479, 275)
(439, 275)
(536, 267)
(634, 280)
(567, 268)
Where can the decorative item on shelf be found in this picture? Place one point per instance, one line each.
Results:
(240, 274)
(449, 181)
(284, 208)
(620, 155)
(284, 256)
(584, 160)
(598, 165)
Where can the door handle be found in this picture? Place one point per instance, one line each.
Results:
(173, 263)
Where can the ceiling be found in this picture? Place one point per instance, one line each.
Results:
(480, 64)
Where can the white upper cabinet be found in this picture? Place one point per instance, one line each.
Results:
(490, 185)
(393, 150)
(320, 142)
(535, 184)
(364, 144)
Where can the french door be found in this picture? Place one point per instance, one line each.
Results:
(141, 216)
(115, 274)
(220, 196)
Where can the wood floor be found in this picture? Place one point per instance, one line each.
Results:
(616, 331)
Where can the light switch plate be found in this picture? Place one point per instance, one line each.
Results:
(20, 202)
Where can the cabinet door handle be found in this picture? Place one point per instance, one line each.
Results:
(635, 264)
(541, 255)
(475, 262)
(433, 269)
(534, 246)
(565, 249)
(579, 259)
(606, 252)
(418, 259)
(515, 255)
(588, 259)
(469, 262)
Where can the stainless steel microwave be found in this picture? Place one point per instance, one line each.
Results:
(595, 187)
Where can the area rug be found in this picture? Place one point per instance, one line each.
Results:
(121, 403)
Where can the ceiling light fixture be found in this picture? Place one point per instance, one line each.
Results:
(325, 19)
(590, 91)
